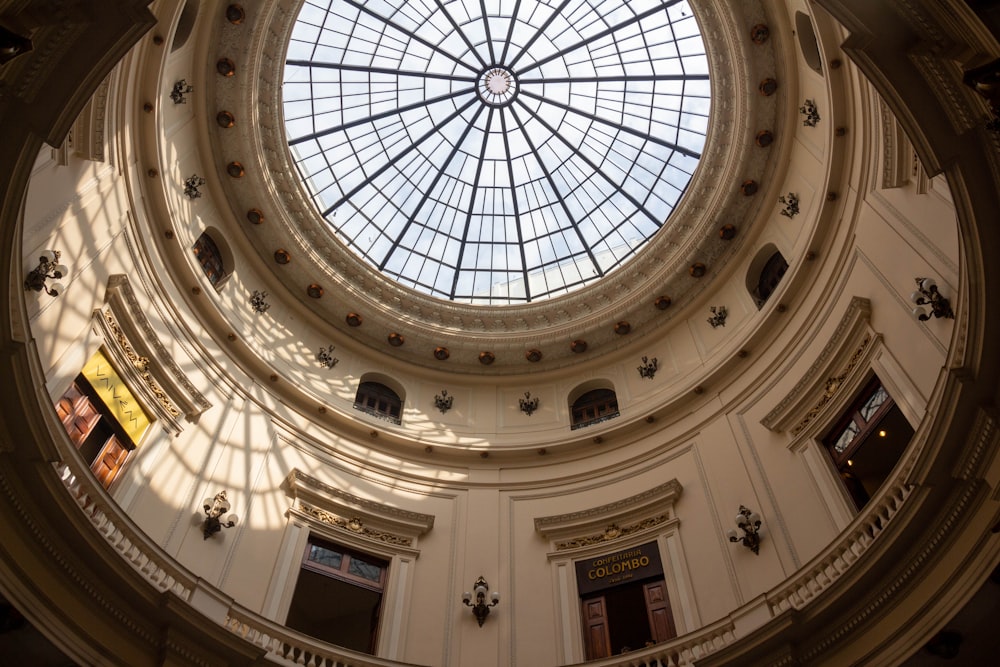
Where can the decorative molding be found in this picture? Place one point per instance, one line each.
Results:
(612, 532)
(354, 514)
(355, 525)
(897, 151)
(149, 367)
(848, 345)
(613, 521)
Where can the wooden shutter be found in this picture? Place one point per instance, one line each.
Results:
(77, 414)
(597, 635)
(661, 620)
(109, 461)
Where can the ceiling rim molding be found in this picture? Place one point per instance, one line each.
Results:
(272, 184)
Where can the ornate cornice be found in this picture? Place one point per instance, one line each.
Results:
(612, 521)
(354, 525)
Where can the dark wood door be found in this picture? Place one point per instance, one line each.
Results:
(597, 635)
(661, 619)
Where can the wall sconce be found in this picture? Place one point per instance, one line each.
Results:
(191, 185)
(215, 508)
(258, 303)
(325, 357)
(749, 523)
(48, 267)
(648, 367)
(181, 88)
(719, 315)
(791, 205)
(528, 404)
(927, 294)
(811, 113)
(480, 610)
(443, 401)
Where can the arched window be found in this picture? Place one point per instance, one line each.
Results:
(594, 407)
(185, 24)
(765, 273)
(807, 41)
(380, 401)
(867, 440)
(211, 258)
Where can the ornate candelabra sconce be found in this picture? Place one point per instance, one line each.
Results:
(258, 302)
(480, 609)
(927, 294)
(214, 509)
(749, 523)
(648, 367)
(191, 186)
(719, 315)
(528, 404)
(48, 268)
(443, 401)
(181, 89)
(325, 357)
(791, 205)
(811, 113)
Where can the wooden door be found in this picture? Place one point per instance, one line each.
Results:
(597, 635)
(661, 619)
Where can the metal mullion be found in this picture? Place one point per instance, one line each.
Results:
(624, 128)
(601, 34)
(378, 116)
(437, 128)
(489, 35)
(610, 79)
(510, 31)
(472, 202)
(538, 33)
(633, 200)
(517, 214)
(430, 189)
(461, 34)
(548, 175)
(360, 7)
(369, 69)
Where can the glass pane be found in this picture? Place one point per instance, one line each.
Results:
(496, 153)
(872, 405)
(846, 438)
(324, 556)
(368, 571)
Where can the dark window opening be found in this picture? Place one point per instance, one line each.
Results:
(867, 441)
(807, 42)
(185, 24)
(769, 278)
(210, 258)
(627, 618)
(94, 431)
(338, 596)
(593, 407)
(380, 401)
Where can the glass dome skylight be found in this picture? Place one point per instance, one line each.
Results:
(496, 151)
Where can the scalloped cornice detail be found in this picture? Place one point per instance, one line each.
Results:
(611, 521)
(272, 185)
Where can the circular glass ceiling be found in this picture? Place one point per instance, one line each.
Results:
(496, 151)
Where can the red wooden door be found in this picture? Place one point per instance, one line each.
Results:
(77, 414)
(597, 636)
(109, 461)
(661, 620)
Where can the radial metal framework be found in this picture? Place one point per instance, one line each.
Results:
(497, 151)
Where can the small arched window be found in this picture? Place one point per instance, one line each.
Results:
(765, 273)
(185, 24)
(807, 41)
(211, 259)
(594, 407)
(378, 400)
